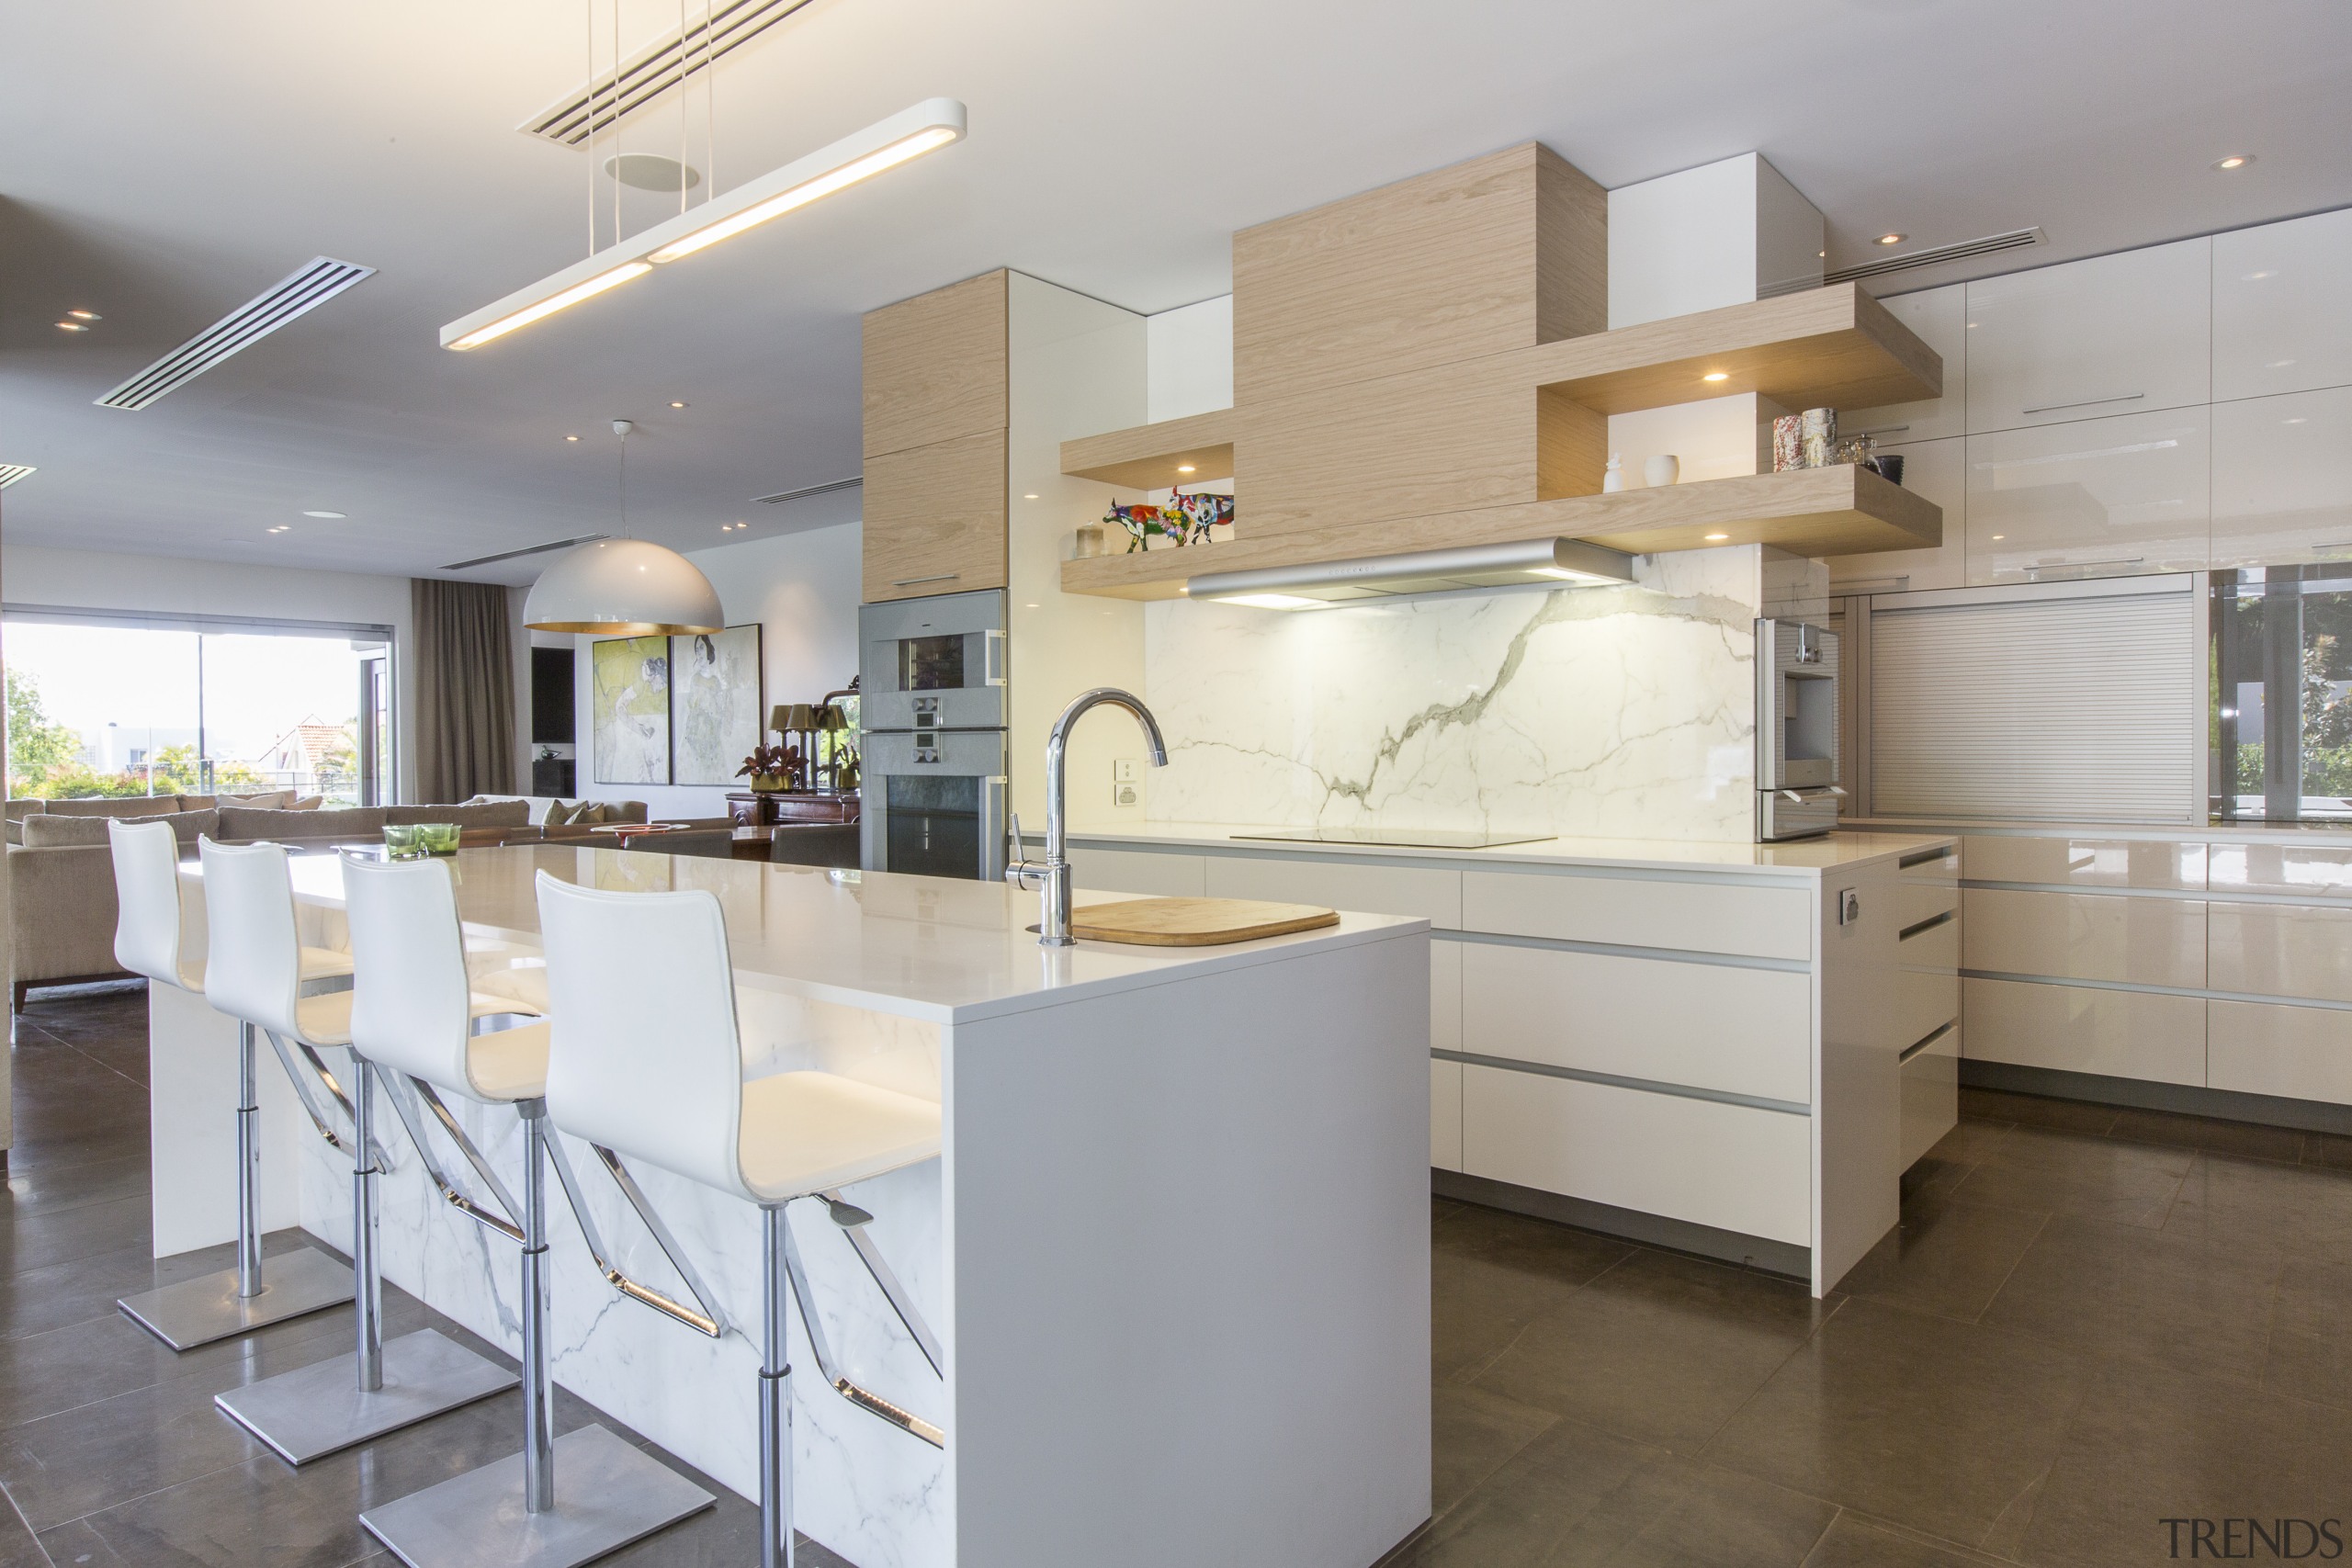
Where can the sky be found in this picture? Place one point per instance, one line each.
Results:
(256, 687)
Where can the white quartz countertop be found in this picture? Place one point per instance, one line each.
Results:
(923, 947)
(1812, 856)
(2286, 834)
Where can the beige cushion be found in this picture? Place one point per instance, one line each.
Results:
(128, 806)
(558, 814)
(625, 811)
(45, 832)
(509, 1064)
(247, 824)
(17, 809)
(473, 813)
(268, 800)
(306, 802)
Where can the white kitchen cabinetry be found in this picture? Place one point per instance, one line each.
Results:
(2122, 333)
(2282, 307)
(2282, 479)
(2264, 1048)
(1935, 471)
(1445, 1114)
(2086, 936)
(2079, 1028)
(1939, 317)
(2096, 497)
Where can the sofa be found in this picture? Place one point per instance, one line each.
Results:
(61, 867)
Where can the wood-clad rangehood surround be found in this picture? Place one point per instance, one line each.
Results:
(1427, 364)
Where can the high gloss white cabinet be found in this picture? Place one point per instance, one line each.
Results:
(1935, 471)
(2093, 498)
(2282, 479)
(2282, 307)
(1939, 317)
(2122, 333)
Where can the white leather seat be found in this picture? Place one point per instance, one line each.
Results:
(151, 935)
(259, 963)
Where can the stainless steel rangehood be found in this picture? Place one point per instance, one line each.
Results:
(1541, 562)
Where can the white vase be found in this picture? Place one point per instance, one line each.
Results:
(1662, 470)
(1612, 478)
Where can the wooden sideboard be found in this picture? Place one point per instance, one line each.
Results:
(766, 809)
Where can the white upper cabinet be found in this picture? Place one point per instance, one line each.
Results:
(2282, 307)
(2282, 480)
(2094, 498)
(1940, 316)
(2122, 333)
(1935, 471)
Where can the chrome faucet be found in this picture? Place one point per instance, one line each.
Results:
(1051, 875)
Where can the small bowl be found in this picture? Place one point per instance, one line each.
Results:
(403, 842)
(437, 838)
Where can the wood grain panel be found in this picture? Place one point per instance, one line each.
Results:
(1813, 511)
(1834, 346)
(1146, 457)
(934, 518)
(935, 366)
(1430, 270)
(1571, 250)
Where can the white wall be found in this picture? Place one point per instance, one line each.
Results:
(803, 590)
(1723, 233)
(86, 579)
(1189, 360)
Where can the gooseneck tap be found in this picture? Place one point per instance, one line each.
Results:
(1051, 875)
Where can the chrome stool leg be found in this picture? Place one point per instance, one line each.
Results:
(330, 1405)
(775, 1396)
(238, 1300)
(584, 1495)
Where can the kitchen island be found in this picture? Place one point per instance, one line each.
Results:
(1731, 1048)
(1175, 1249)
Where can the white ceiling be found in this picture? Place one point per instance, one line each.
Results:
(162, 164)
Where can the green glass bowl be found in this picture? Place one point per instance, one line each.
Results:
(402, 841)
(437, 838)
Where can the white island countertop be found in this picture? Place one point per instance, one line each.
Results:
(1831, 852)
(920, 947)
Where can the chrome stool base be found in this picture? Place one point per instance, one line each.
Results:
(320, 1409)
(200, 1311)
(608, 1493)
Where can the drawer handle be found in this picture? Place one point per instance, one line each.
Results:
(2087, 403)
(912, 581)
(1919, 1045)
(1872, 584)
(1930, 923)
(2084, 565)
(1921, 857)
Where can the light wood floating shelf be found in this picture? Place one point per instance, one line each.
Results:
(1147, 455)
(1834, 348)
(1809, 511)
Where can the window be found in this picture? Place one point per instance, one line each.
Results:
(104, 705)
(2281, 696)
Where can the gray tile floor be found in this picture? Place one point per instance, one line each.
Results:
(2091, 1320)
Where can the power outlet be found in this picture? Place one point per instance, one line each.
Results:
(1129, 794)
(1125, 771)
(1849, 905)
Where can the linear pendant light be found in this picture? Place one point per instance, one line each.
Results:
(907, 135)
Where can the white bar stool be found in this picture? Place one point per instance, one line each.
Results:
(152, 938)
(404, 980)
(409, 1018)
(648, 1061)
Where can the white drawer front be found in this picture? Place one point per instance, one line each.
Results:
(2088, 863)
(1727, 1165)
(1930, 1097)
(1139, 871)
(1445, 1115)
(2266, 1048)
(2306, 871)
(1707, 1025)
(2123, 1034)
(1764, 920)
(1917, 901)
(1433, 895)
(1923, 1002)
(2281, 950)
(1445, 995)
(2086, 936)
(1930, 947)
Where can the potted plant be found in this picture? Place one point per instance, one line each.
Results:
(772, 768)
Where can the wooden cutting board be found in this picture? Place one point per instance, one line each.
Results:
(1194, 922)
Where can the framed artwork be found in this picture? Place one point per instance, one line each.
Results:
(715, 712)
(629, 729)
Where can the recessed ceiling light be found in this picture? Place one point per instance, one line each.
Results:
(280, 528)
(2278, 365)
(677, 405)
(72, 327)
(86, 315)
(2299, 419)
(331, 516)
(1716, 376)
(572, 438)
(2234, 161)
(1998, 537)
(1184, 467)
(1031, 496)
(1823, 254)
(1891, 239)
(1717, 539)
(2258, 276)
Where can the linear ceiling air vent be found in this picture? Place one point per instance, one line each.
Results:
(525, 550)
(305, 288)
(1984, 247)
(11, 472)
(780, 497)
(655, 69)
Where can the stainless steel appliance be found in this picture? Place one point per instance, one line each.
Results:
(1796, 729)
(931, 700)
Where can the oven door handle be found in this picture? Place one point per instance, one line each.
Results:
(992, 658)
(993, 827)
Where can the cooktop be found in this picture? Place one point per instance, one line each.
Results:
(1402, 838)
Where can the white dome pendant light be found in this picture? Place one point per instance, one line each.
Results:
(624, 587)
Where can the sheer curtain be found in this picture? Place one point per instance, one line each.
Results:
(464, 659)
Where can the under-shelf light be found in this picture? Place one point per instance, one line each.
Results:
(930, 124)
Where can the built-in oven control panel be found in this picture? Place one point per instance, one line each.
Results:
(932, 663)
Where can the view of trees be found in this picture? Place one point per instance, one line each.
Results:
(45, 761)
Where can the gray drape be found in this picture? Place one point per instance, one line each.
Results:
(464, 659)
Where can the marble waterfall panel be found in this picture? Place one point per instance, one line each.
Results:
(876, 1496)
(1623, 712)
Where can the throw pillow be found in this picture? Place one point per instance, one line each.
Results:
(50, 832)
(558, 814)
(306, 802)
(124, 805)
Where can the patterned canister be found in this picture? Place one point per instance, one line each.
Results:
(1820, 437)
(1788, 442)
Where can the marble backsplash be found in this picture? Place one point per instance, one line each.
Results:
(1623, 712)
